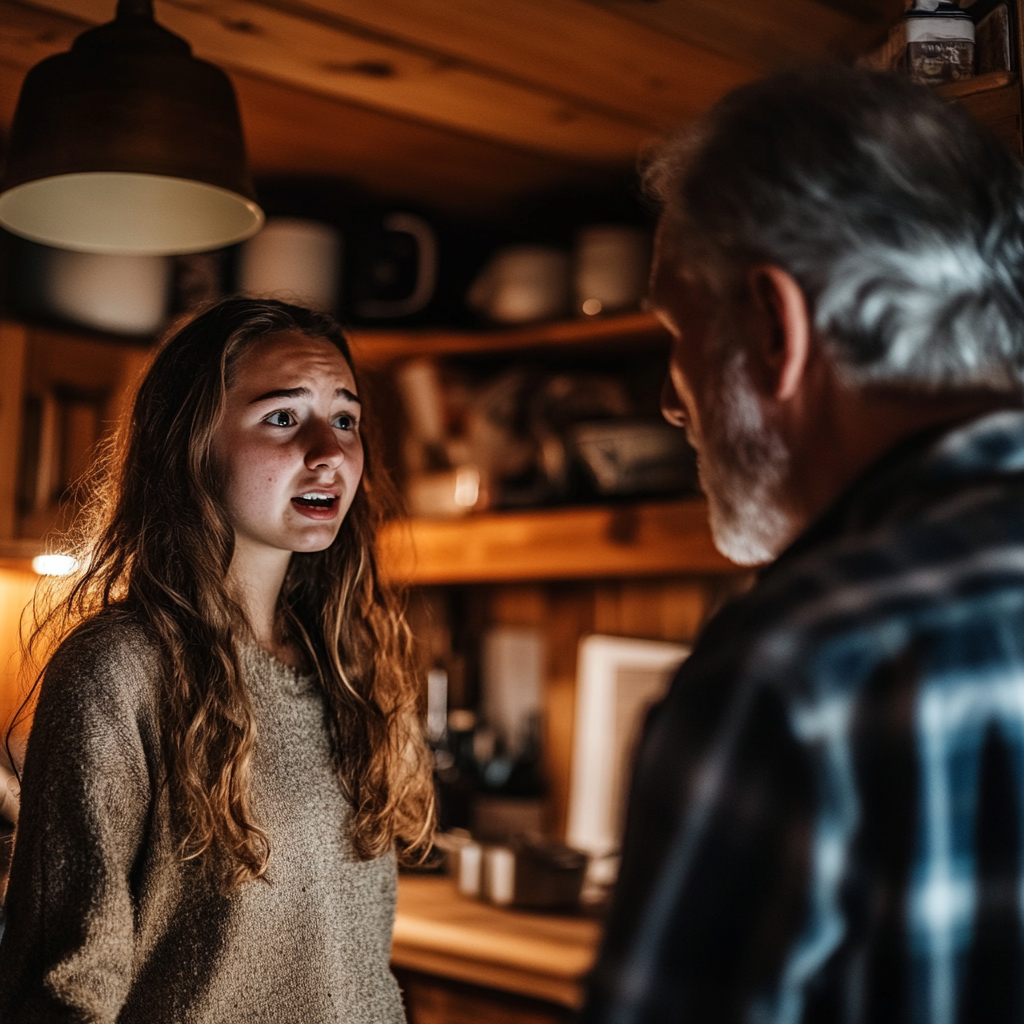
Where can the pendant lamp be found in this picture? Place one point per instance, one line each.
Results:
(128, 144)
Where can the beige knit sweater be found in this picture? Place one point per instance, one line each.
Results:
(106, 923)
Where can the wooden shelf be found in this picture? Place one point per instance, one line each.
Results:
(980, 83)
(441, 932)
(651, 539)
(374, 349)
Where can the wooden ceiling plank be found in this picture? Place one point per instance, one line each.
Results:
(568, 46)
(27, 38)
(776, 34)
(272, 44)
(292, 133)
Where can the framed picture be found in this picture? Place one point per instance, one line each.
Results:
(617, 681)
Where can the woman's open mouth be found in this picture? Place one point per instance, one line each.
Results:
(316, 505)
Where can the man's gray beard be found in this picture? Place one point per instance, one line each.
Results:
(742, 465)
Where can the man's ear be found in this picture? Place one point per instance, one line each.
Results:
(784, 341)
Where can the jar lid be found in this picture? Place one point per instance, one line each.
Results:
(942, 9)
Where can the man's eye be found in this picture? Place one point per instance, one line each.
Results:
(345, 422)
(280, 419)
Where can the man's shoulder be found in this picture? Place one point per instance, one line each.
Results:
(936, 569)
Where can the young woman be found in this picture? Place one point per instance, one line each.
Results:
(225, 754)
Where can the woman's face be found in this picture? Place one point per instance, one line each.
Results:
(289, 444)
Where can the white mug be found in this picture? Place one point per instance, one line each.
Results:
(522, 284)
(293, 259)
(121, 294)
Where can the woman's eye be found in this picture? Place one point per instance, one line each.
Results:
(280, 419)
(345, 422)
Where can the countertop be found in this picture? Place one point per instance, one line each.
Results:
(441, 932)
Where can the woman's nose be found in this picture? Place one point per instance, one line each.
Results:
(671, 408)
(323, 447)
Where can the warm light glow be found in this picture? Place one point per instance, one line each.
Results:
(591, 306)
(54, 565)
(461, 720)
(128, 214)
(467, 486)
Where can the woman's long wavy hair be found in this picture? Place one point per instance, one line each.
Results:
(155, 549)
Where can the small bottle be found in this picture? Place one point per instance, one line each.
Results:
(455, 771)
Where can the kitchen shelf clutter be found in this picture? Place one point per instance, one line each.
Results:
(608, 540)
(538, 418)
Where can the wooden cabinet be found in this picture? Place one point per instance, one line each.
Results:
(995, 100)
(61, 395)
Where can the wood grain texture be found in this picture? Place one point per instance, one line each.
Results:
(291, 132)
(327, 55)
(439, 931)
(13, 350)
(433, 1000)
(570, 47)
(772, 35)
(373, 349)
(586, 81)
(980, 83)
(1000, 110)
(58, 360)
(657, 539)
(17, 587)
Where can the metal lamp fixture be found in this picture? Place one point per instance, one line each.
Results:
(128, 144)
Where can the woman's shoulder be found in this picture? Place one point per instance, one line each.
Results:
(110, 657)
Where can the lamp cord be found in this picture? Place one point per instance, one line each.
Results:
(135, 9)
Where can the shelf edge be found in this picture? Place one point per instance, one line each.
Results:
(594, 542)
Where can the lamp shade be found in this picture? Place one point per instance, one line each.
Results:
(128, 144)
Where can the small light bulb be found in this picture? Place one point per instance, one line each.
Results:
(467, 486)
(54, 565)
(591, 307)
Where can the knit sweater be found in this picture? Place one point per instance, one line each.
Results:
(107, 923)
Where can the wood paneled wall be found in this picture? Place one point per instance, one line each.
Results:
(16, 590)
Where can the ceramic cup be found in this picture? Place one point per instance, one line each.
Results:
(293, 259)
(114, 293)
(523, 284)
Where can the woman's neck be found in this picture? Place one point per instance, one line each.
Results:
(254, 580)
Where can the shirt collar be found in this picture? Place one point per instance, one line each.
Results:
(922, 462)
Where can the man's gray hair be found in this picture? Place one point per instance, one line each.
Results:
(901, 219)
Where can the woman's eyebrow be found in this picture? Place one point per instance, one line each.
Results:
(302, 393)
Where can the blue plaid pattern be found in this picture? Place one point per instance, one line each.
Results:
(827, 810)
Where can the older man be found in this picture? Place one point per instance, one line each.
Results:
(825, 820)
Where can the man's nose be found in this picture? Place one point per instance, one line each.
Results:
(322, 446)
(671, 408)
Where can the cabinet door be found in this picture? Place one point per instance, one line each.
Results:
(61, 396)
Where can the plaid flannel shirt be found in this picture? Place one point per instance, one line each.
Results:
(826, 811)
